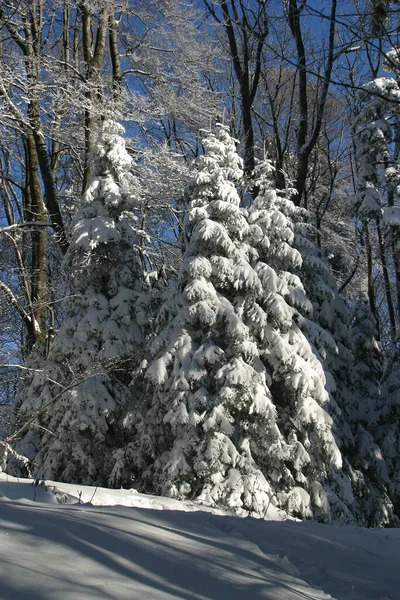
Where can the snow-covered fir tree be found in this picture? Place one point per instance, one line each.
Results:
(388, 430)
(100, 341)
(210, 405)
(237, 414)
(377, 202)
(294, 350)
(365, 415)
(327, 324)
(328, 330)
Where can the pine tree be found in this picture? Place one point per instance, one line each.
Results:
(365, 415)
(361, 486)
(327, 329)
(293, 350)
(100, 341)
(377, 202)
(237, 414)
(210, 413)
(388, 431)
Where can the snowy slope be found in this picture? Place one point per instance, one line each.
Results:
(74, 542)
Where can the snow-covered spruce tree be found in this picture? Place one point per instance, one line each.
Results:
(309, 477)
(328, 330)
(388, 432)
(377, 202)
(210, 414)
(366, 414)
(212, 431)
(327, 325)
(376, 137)
(74, 433)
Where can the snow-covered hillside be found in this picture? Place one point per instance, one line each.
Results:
(69, 542)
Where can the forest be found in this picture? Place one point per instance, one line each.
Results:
(200, 251)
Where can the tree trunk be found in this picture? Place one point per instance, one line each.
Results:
(93, 54)
(305, 141)
(36, 211)
(246, 44)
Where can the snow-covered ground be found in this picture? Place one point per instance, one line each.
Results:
(66, 542)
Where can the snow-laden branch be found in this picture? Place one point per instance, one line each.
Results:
(6, 449)
(21, 367)
(13, 300)
(26, 225)
(101, 369)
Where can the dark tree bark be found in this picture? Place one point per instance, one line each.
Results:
(93, 52)
(246, 37)
(36, 211)
(307, 139)
(114, 54)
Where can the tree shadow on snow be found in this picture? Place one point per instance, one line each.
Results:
(91, 552)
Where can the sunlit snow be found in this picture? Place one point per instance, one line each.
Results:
(65, 542)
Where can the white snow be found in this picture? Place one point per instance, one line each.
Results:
(64, 541)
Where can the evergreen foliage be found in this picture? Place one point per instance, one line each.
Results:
(72, 439)
(210, 404)
(388, 429)
(257, 381)
(257, 391)
(239, 411)
(368, 465)
(298, 370)
(344, 341)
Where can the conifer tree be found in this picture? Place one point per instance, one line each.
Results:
(293, 351)
(327, 329)
(210, 415)
(388, 432)
(376, 202)
(365, 415)
(361, 486)
(238, 412)
(75, 432)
